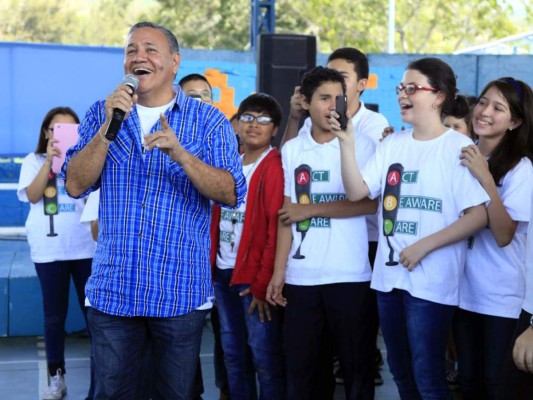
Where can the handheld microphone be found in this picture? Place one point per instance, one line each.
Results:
(118, 115)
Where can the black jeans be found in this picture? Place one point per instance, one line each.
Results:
(344, 309)
(516, 384)
(482, 341)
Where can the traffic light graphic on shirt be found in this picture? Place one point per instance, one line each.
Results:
(50, 202)
(302, 186)
(391, 200)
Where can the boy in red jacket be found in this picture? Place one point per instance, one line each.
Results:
(242, 253)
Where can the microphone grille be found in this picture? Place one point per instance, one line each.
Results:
(131, 80)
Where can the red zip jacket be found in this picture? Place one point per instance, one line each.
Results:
(254, 263)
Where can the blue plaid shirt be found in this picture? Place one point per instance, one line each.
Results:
(152, 257)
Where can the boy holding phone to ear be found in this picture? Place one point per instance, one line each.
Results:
(352, 64)
(322, 261)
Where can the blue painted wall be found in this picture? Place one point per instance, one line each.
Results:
(37, 77)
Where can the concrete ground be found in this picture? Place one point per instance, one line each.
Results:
(23, 369)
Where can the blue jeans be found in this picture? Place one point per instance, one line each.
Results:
(482, 342)
(244, 335)
(120, 345)
(221, 377)
(416, 332)
(54, 278)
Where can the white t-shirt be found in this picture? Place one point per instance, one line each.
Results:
(494, 279)
(148, 117)
(528, 302)
(73, 240)
(232, 221)
(335, 249)
(369, 123)
(434, 192)
(90, 212)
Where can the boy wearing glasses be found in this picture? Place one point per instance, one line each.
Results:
(242, 254)
(322, 261)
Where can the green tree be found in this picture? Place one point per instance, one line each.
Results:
(444, 26)
(99, 22)
(422, 26)
(105, 22)
(47, 21)
(208, 24)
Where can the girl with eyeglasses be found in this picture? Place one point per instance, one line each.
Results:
(493, 287)
(430, 204)
(60, 246)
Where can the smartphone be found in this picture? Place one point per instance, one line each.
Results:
(67, 136)
(341, 104)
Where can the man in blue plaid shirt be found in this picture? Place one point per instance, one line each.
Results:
(151, 281)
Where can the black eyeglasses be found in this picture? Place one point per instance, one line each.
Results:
(261, 119)
(411, 88)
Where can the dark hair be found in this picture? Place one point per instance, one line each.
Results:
(42, 142)
(234, 117)
(462, 108)
(353, 56)
(262, 102)
(316, 77)
(194, 77)
(440, 76)
(171, 38)
(517, 143)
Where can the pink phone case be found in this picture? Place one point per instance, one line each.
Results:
(67, 136)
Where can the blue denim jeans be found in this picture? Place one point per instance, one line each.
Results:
(416, 332)
(482, 342)
(120, 345)
(244, 335)
(54, 278)
(221, 377)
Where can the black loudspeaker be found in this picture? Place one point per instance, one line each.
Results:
(282, 60)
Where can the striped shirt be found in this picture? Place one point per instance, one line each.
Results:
(152, 257)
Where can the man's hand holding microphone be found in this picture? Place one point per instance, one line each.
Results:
(119, 104)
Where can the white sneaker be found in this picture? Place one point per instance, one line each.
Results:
(57, 388)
